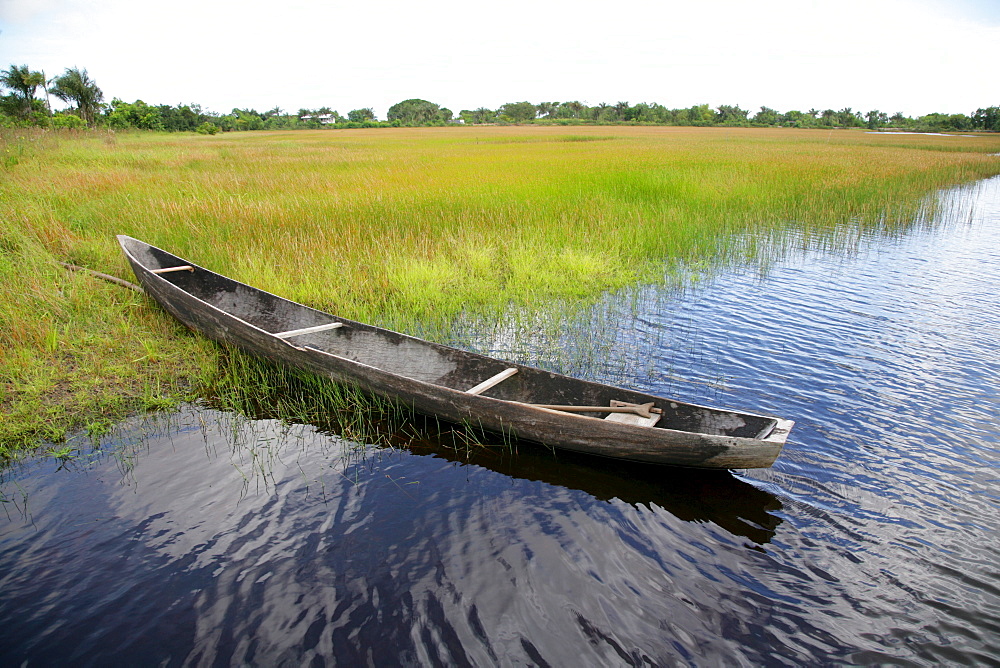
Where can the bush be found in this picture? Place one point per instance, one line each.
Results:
(68, 122)
(207, 128)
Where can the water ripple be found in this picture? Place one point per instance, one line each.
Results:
(208, 540)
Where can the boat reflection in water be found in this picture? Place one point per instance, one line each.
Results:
(693, 495)
(303, 543)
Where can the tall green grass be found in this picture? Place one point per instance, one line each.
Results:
(405, 228)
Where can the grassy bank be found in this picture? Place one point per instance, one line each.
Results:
(400, 227)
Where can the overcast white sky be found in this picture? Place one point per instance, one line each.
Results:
(913, 56)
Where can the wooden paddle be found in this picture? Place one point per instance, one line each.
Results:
(643, 410)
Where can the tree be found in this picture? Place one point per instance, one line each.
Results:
(766, 116)
(135, 115)
(480, 115)
(960, 122)
(573, 109)
(621, 111)
(24, 83)
(898, 120)
(601, 112)
(699, 114)
(547, 109)
(75, 86)
(361, 115)
(645, 113)
(876, 119)
(413, 112)
(247, 119)
(732, 115)
(944, 122)
(518, 112)
(846, 118)
(796, 119)
(987, 119)
(182, 118)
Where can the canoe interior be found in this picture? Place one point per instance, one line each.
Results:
(421, 360)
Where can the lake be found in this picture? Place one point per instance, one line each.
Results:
(200, 537)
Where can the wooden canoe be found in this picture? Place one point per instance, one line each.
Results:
(456, 385)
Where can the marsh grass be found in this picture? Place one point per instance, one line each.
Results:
(257, 389)
(405, 228)
(260, 389)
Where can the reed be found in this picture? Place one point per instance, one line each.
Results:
(260, 389)
(406, 228)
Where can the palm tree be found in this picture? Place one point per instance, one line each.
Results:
(23, 82)
(548, 109)
(576, 107)
(76, 86)
(483, 115)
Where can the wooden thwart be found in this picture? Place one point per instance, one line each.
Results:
(167, 270)
(490, 382)
(309, 330)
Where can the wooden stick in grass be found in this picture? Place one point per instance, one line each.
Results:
(105, 277)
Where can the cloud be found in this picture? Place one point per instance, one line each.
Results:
(18, 12)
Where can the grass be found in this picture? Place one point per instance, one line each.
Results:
(406, 228)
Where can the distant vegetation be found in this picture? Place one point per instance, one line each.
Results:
(21, 107)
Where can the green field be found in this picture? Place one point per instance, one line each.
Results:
(401, 227)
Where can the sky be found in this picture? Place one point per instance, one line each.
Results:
(909, 56)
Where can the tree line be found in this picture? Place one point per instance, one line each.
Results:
(87, 108)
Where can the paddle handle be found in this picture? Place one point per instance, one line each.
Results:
(167, 270)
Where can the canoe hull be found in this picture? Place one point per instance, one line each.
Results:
(679, 447)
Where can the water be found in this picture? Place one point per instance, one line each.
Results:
(204, 539)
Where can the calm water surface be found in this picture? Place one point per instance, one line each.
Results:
(202, 538)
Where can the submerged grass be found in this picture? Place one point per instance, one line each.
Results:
(259, 389)
(406, 228)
